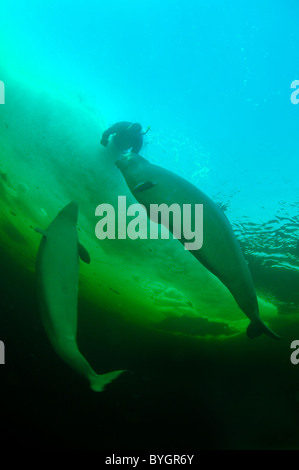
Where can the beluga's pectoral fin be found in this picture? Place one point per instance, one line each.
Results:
(41, 231)
(139, 188)
(83, 253)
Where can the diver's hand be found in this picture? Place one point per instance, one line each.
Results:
(104, 142)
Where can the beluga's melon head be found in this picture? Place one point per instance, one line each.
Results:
(70, 212)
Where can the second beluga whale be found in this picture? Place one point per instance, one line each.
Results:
(220, 253)
(57, 268)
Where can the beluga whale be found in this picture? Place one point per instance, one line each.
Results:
(57, 268)
(220, 253)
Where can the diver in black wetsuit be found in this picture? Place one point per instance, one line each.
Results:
(127, 135)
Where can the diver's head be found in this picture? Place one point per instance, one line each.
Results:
(135, 128)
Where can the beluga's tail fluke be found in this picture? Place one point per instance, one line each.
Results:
(257, 328)
(98, 382)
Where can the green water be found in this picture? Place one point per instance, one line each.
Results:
(38, 178)
(194, 380)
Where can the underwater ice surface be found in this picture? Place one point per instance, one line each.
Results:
(213, 82)
(155, 277)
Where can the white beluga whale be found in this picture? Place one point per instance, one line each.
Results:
(220, 253)
(57, 270)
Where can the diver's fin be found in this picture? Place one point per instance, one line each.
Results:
(83, 253)
(258, 328)
(41, 231)
(99, 382)
(148, 128)
(139, 188)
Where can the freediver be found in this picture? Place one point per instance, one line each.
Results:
(126, 136)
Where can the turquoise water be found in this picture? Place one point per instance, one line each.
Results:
(213, 81)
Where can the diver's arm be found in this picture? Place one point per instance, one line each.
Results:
(105, 137)
(118, 127)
